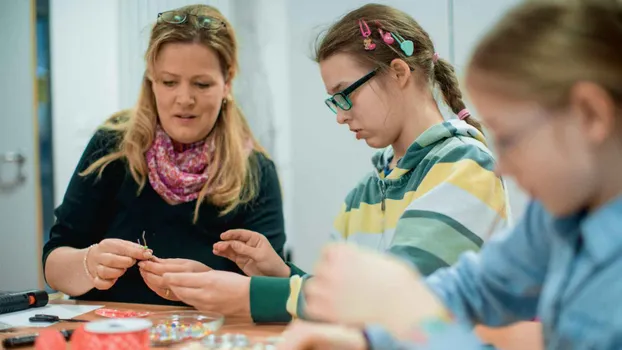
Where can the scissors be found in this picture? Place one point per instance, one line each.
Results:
(52, 319)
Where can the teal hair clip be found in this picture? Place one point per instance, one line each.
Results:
(407, 46)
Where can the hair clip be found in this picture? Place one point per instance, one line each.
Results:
(463, 114)
(386, 37)
(366, 33)
(407, 46)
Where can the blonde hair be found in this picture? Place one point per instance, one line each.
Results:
(232, 172)
(540, 49)
(345, 37)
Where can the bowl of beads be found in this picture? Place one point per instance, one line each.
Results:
(173, 327)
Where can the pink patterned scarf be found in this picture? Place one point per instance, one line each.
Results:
(178, 176)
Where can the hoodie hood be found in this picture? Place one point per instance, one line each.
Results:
(432, 137)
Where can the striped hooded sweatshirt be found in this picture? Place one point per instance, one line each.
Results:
(442, 199)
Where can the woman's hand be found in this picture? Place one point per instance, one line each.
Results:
(301, 335)
(153, 271)
(225, 292)
(252, 252)
(109, 259)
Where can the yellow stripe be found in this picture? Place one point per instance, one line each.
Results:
(368, 217)
(471, 177)
(465, 174)
(396, 173)
(295, 283)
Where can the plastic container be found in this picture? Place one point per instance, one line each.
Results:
(172, 327)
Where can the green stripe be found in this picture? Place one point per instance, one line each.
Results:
(295, 270)
(469, 151)
(452, 153)
(268, 299)
(426, 262)
(451, 222)
(451, 128)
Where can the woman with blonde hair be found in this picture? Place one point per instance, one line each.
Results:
(173, 174)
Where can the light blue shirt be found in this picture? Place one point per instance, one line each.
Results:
(565, 271)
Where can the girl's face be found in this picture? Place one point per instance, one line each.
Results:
(373, 115)
(554, 156)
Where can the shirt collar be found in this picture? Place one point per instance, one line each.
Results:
(601, 230)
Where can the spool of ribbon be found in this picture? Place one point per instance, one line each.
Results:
(113, 334)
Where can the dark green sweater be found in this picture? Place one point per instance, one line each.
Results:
(93, 210)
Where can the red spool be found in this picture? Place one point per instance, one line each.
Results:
(113, 334)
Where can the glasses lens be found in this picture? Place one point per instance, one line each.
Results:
(329, 102)
(342, 102)
(208, 22)
(173, 17)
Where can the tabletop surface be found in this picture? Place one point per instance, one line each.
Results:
(237, 326)
(525, 335)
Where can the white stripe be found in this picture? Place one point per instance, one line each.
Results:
(376, 241)
(460, 205)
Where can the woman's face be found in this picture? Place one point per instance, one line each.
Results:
(189, 88)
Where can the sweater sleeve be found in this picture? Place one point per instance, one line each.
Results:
(457, 205)
(88, 204)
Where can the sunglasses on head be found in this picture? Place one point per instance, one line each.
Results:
(177, 17)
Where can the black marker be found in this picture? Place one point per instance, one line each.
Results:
(29, 339)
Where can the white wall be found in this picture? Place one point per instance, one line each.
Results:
(84, 51)
(97, 70)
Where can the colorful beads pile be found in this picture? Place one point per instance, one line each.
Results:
(175, 331)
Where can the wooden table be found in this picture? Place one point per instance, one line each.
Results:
(525, 335)
(231, 325)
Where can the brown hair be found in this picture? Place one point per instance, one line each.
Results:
(541, 48)
(232, 173)
(345, 37)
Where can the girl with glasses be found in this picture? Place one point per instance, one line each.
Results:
(431, 193)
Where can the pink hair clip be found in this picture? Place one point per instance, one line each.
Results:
(435, 58)
(463, 114)
(386, 37)
(366, 33)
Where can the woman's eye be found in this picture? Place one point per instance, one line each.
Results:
(168, 83)
(203, 85)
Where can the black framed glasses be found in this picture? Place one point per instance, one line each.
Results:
(342, 98)
(176, 17)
